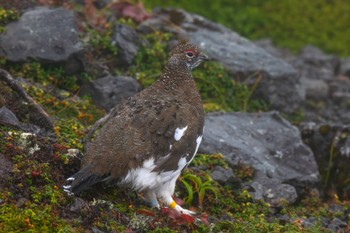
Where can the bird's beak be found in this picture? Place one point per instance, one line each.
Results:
(204, 57)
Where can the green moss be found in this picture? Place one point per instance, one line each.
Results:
(291, 24)
(45, 75)
(32, 218)
(7, 16)
(31, 199)
(209, 160)
(101, 41)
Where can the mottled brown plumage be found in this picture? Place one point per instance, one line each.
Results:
(154, 134)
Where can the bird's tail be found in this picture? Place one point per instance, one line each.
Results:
(80, 181)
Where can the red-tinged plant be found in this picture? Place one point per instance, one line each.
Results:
(127, 9)
(146, 212)
(178, 218)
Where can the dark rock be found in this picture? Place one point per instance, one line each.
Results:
(224, 176)
(78, 205)
(268, 143)
(323, 79)
(309, 222)
(19, 5)
(337, 225)
(5, 169)
(337, 209)
(96, 230)
(127, 41)
(325, 65)
(227, 217)
(109, 91)
(283, 219)
(340, 90)
(272, 190)
(42, 34)
(99, 4)
(18, 107)
(316, 69)
(345, 67)
(277, 195)
(8, 117)
(278, 81)
(333, 140)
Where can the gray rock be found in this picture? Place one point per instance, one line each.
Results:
(330, 139)
(323, 79)
(109, 91)
(223, 176)
(127, 41)
(314, 88)
(268, 143)
(345, 67)
(99, 4)
(275, 51)
(326, 64)
(272, 190)
(316, 69)
(96, 230)
(78, 205)
(8, 117)
(42, 34)
(308, 222)
(337, 225)
(279, 83)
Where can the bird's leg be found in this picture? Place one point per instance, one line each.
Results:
(151, 198)
(165, 195)
(169, 201)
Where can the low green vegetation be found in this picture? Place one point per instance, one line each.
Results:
(291, 24)
(7, 16)
(31, 197)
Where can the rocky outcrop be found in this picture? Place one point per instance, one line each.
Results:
(128, 43)
(268, 143)
(330, 144)
(323, 79)
(278, 82)
(45, 35)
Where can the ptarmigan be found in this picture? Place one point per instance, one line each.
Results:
(151, 137)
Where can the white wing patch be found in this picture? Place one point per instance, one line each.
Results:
(198, 142)
(179, 132)
(143, 178)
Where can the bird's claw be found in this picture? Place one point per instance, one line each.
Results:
(184, 211)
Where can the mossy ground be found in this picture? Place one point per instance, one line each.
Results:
(31, 197)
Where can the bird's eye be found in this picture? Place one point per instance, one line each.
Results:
(189, 53)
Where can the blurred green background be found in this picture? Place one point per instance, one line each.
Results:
(289, 23)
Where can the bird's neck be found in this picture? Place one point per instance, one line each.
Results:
(174, 77)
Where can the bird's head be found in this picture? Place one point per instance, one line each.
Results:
(186, 56)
